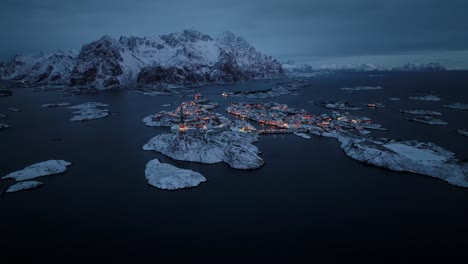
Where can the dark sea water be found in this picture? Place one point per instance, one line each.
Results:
(309, 202)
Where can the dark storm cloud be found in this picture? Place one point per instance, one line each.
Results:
(285, 29)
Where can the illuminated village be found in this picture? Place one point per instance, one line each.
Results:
(196, 115)
(282, 119)
(275, 118)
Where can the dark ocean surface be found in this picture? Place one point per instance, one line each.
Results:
(309, 201)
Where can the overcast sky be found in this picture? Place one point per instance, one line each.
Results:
(314, 31)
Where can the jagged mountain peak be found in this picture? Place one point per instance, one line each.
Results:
(184, 58)
(188, 35)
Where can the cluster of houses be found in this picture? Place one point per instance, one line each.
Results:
(196, 115)
(280, 117)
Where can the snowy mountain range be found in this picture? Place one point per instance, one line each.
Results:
(51, 68)
(293, 68)
(183, 58)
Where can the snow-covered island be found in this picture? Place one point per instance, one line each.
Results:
(457, 106)
(55, 105)
(233, 148)
(45, 168)
(25, 185)
(340, 105)
(362, 88)
(168, 177)
(463, 132)
(13, 109)
(425, 98)
(89, 111)
(411, 156)
(200, 135)
(428, 119)
(421, 112)
(4, 126)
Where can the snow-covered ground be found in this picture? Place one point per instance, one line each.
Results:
(234, 148)
(362, 88)
(463, 132)
(340, 105)
(89, 111)
(168, 177)
(25, 185)
(40, 169)
(4, 126)
(421, 112)
(55, 104)
(427, 119)
(302, 135)
(457, 106)
(425, 98)
(411, 156)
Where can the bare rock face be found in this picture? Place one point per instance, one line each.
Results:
(98, 63)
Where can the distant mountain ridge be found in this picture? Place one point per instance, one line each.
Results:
(182, 58)
(292, 68)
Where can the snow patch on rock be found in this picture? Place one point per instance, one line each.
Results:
(89, 111)
(425, 98)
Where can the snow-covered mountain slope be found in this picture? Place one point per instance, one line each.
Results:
(42, 68)
(184, 58)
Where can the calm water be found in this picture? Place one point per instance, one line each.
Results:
(309, 200)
